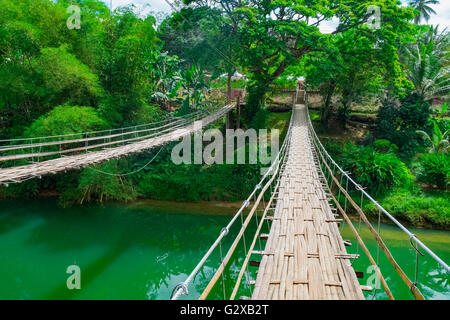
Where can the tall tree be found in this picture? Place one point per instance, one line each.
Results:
(423, 8)
(427, 62)
(276, 34)
(201, 36)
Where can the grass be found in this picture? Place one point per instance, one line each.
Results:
(418, 208)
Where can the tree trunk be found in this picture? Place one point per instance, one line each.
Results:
(326, 106)
(229, 87)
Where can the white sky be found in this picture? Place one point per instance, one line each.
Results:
(442, 16)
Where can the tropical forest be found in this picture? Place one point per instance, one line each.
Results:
(224, 150)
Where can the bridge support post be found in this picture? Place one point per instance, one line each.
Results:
(228, 120)
(238, 112)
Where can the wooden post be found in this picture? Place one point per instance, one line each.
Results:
(238, 112)
(228, 120)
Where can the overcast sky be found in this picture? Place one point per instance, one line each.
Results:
(442, 17)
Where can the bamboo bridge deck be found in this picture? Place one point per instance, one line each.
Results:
(304, 256)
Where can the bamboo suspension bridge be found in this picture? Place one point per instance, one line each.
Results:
(301, 201)
(303, 256)
(75, 151)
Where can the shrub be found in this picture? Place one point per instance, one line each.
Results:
(102, 183)
(435, 169)
(385, 146)
(148, 113)
(379, 172)
(66, 120)
(382, 145)
(398, 124)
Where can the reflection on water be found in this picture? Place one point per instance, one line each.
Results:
(142, 252)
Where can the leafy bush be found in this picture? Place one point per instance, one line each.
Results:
(435, 169)
(379, 172)
(149, 113)
(67, 78)
(384, 146)
(398, 123)
(66, 120)
(103, 183)
(413, 113)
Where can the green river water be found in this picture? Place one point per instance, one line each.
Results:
(142, 250)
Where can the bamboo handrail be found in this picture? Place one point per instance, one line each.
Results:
(361, 242)
(62, 142)
(230, 252)
(247, 258)
(414, 290)
(85, 148)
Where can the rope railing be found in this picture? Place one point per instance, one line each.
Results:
(106, 131)
(266, 181)
(334, 174)
(59, 147)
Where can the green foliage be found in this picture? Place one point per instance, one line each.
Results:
(66, 79)
(413, 113)
(434, 169)
(66, 120)
(438, 142)
(427, 59)
(102, 183)
(149, 113)
(384, 146)
(415, 207)
(377, 171)
(399, 123)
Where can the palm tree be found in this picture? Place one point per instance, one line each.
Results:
(427, 63)
(424, 9)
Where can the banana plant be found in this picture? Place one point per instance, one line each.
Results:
(438, 141)
(166, 78)
(194, 87)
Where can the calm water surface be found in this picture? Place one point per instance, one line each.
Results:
(141, 251)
